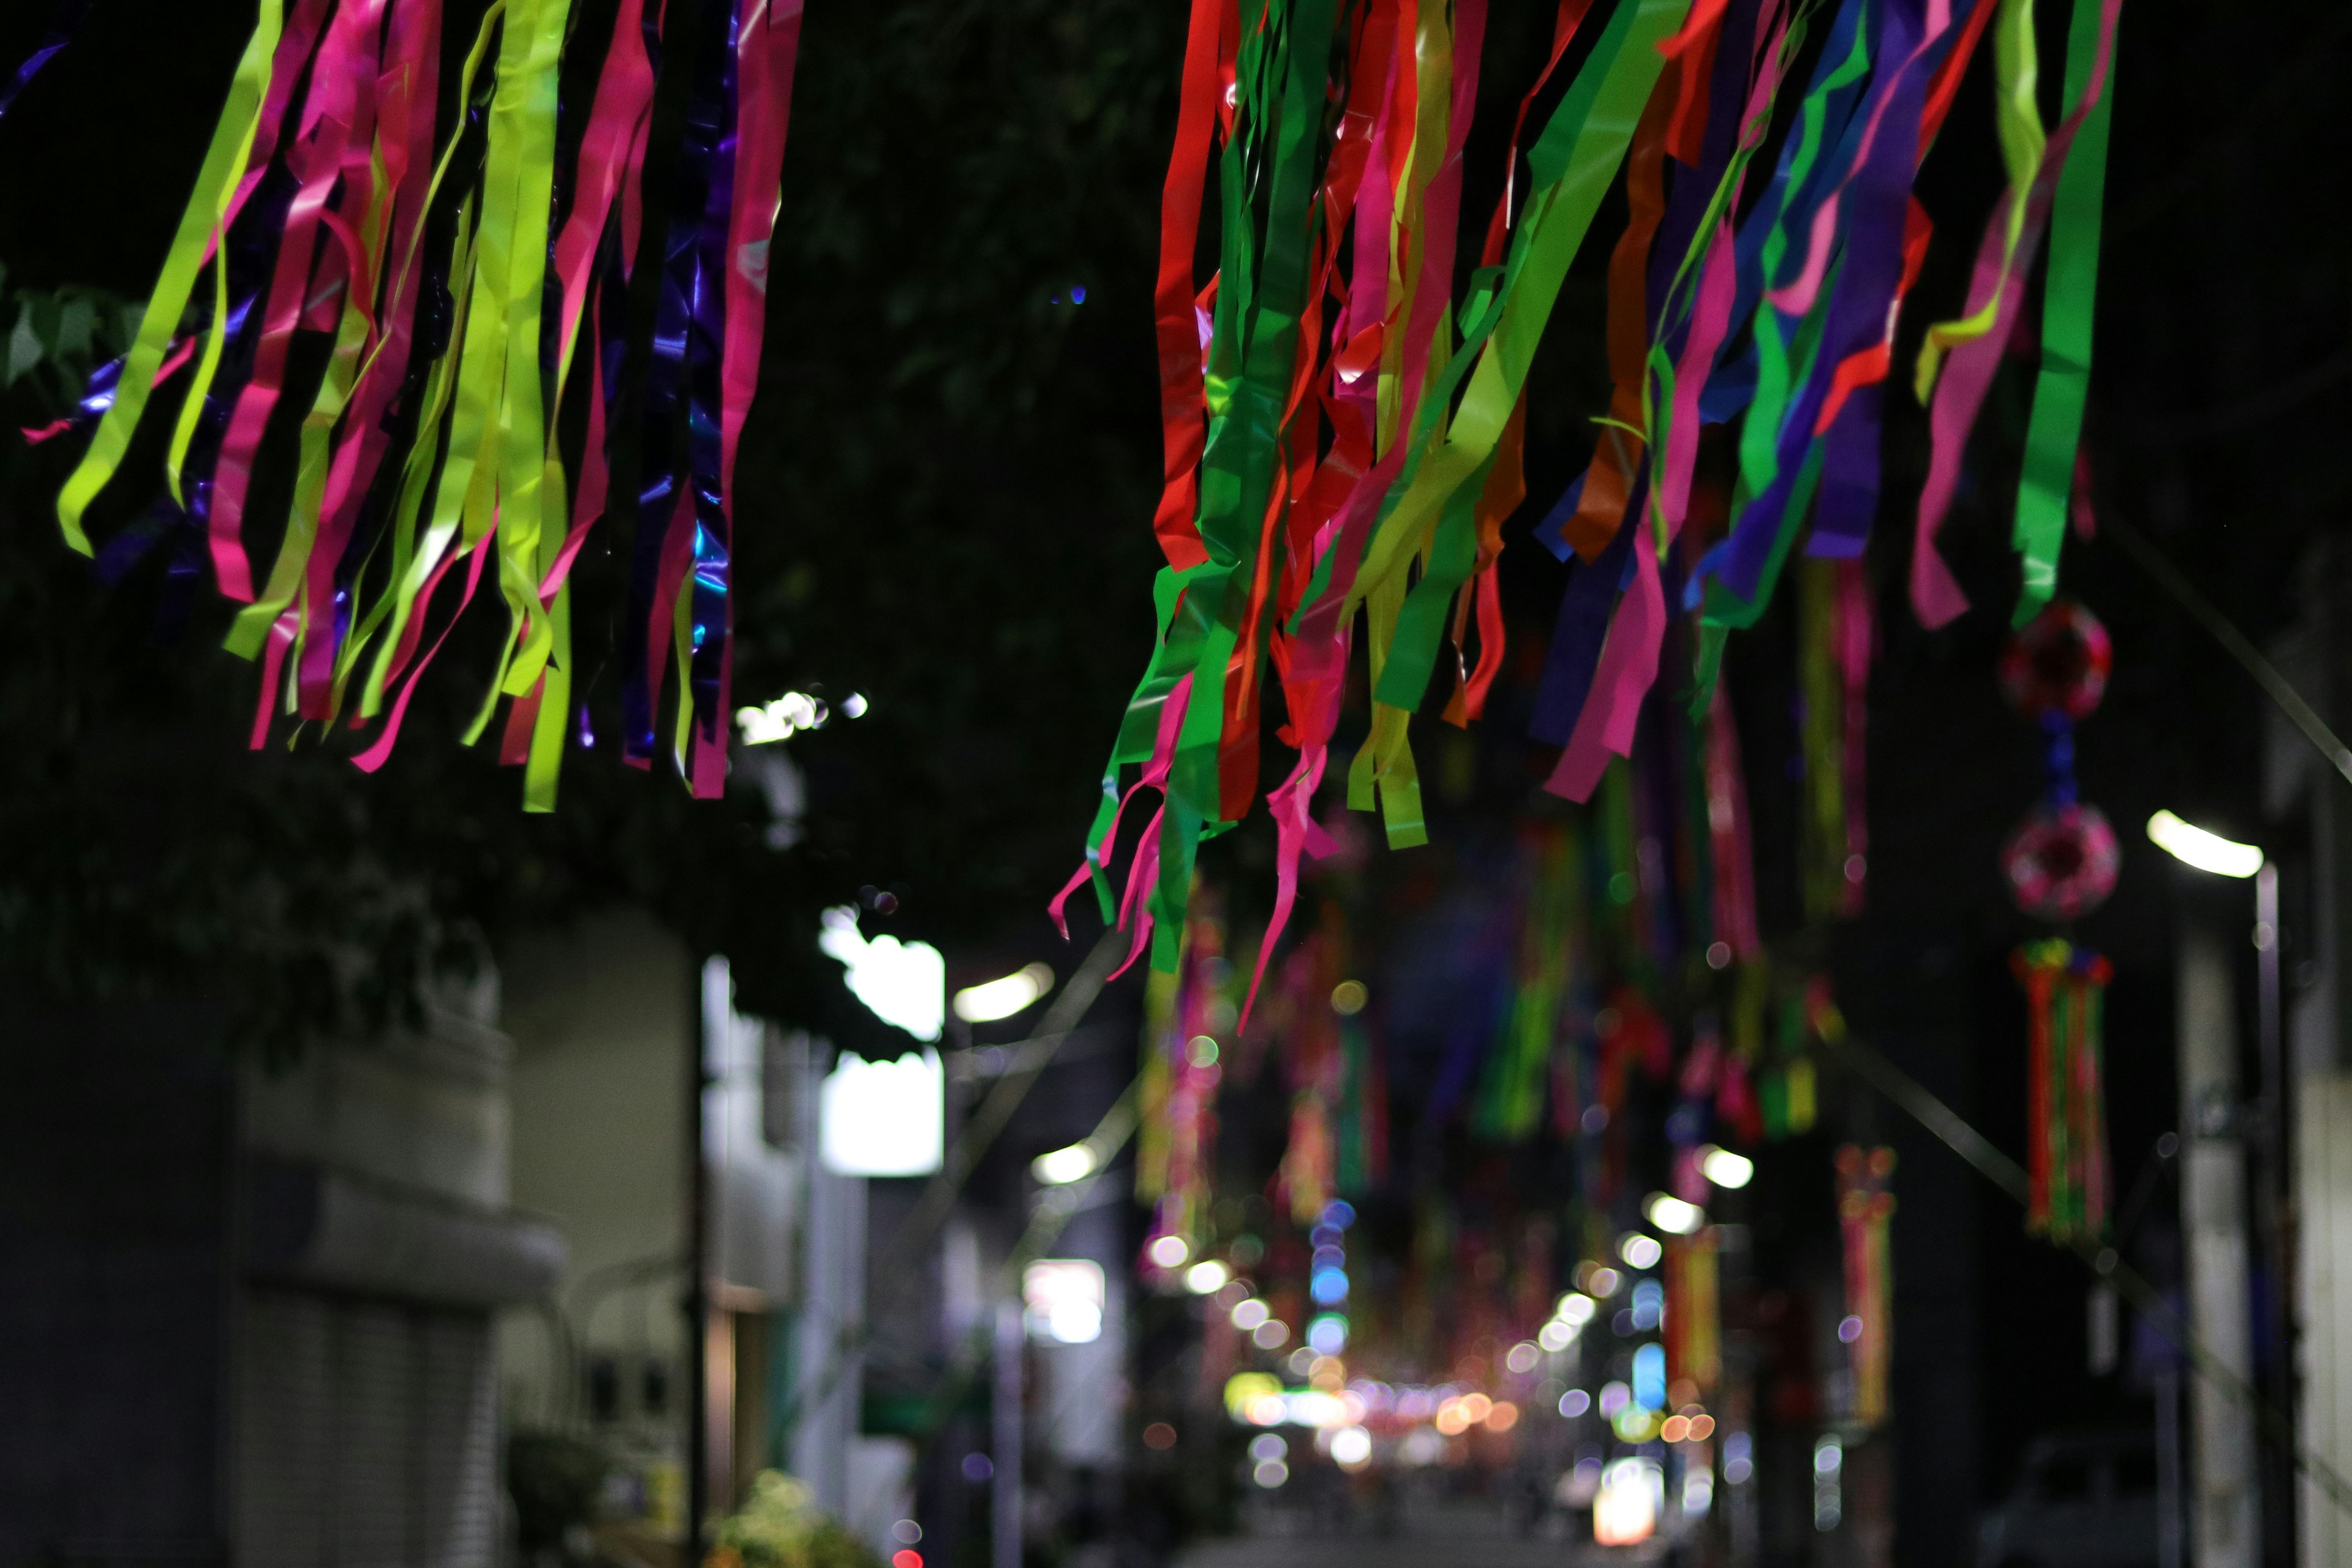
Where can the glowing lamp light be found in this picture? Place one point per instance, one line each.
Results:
(903, 983)
(1062, 1166)
(1002, 998)
(1206, 1278)
(1064, 1298)
(1170, 1252)
(1625, 1509)
(1575, 1309)
(2192, 846)
(1523, 1357)
(785, 717)
(1352, 1448)
(1726, 1169)
(885, 1117)
(1243, 1390)
(1249, 1314)
(1330, 1286)
(1640, 1251)
(1328, 1335)
(1672, 1215)
(1555, 1335)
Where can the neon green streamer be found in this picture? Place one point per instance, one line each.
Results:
(2017, 66)
(200, 226)
(2069, 296)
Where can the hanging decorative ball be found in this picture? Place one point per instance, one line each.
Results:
(2057, 663)
(2062, 861)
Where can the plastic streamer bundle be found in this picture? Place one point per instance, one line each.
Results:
(1837, 637)
(1693, 1319)
(2068, 1179)
(1183, 1015)
(423, 232)
(1343, 434)
(1865, 1208)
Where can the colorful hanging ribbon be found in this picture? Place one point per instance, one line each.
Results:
(1346, 441)
(332, 201)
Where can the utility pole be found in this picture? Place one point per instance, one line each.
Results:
(1004, 1496)
(697, 1271)
(2225, 1515)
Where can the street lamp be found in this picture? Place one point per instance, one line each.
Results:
(2192, 846)
(2207, 1185)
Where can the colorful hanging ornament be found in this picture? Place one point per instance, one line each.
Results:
(1186, 1021)
(332, 200)
(2062, 860)
(1865, 1209)
(1342, 436)
(2068, 1178)
(1694, 1317)
(1836, 642)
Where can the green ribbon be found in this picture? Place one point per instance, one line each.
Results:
(2064, 382)
(200, 225)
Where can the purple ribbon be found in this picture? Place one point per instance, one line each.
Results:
(689, 336)
(64, 24)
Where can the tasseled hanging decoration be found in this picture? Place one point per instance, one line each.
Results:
(1729, 838)
(1361, 1160)
(332, 201)
(1185, 1015)
(1694, 1320)
(1343, 436)
(1865, 1207)
(1837, 636)
(2068, 1183)
(1551, 904)
(1314, 1067)
(1789, 1092)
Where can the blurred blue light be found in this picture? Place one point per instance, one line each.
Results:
(1330, 1286)
(1650, 1376)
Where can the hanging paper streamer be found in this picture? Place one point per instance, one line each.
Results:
(333, 202)
(2066, 171)
(2062, 860)
(1836, 642)
(1694, 1320)
(1187, 1021)
(1865, 1209)
(2068, 1187)
(1342, 435)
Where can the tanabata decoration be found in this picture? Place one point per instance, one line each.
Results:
(2062, 861)
(1865, 1208)
(1694, 1317)
(1342, 434)
(458, 248)
(2067, 1181)
(1184, 1014)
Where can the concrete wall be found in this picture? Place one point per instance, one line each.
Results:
(602, 1014)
